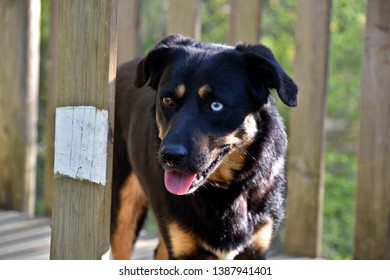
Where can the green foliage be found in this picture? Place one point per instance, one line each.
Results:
(277, 32)
(339, 205)
(215, 19)
(44, 54)
(346, 54)
(152, 23)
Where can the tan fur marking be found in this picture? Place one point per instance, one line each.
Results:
(161, 133)
(232, 139)
(180, 91)
(183, 242)
(262, 237)
(203, 90)
(250, 127)
(133, 204)
(224, 173)
(236, 159)
(161, 252)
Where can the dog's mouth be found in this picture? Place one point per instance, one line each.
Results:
(184, 183)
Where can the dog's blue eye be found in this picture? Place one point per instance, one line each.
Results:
(216, 106)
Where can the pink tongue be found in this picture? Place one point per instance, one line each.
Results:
(178, 183)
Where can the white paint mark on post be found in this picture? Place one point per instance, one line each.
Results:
(81, 143)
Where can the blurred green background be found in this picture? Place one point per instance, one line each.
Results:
(277, 32)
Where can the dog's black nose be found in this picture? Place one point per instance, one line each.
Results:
(173, 155)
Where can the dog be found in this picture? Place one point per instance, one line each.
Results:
(198, 138)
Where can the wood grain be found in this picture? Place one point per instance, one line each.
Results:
(244, 21)
(19, 77)
(86, 77)
(307, 134)
(184, 18)
(372, 224)
(128, 30)
(51, 108)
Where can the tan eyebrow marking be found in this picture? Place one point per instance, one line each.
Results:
(180, 90)
(203, 90)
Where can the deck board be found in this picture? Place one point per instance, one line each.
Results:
(26, 238)
(23, 237)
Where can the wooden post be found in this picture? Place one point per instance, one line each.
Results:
(50, 109)
(19, 77)
(128, 30)
(84, 123)
(184, 18)
(244, 21)
(303, 228)
(372, 224)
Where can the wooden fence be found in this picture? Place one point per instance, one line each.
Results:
(19, 68)
(80, 218)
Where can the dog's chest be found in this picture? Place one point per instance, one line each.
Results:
(225, 221)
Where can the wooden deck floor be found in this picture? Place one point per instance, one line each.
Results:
(25, 238)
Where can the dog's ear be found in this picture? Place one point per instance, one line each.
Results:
(265, 73)
(152, 66)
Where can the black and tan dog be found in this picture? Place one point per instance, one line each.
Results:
(199, 139)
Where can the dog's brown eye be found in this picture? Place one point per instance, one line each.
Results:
(167, 101)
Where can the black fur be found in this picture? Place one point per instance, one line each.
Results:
(241, 77)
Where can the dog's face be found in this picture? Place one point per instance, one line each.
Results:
(206, 97)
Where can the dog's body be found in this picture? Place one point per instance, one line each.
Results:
(204, 146)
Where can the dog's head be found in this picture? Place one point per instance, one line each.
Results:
(207, 95)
